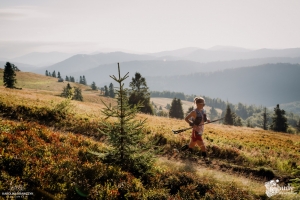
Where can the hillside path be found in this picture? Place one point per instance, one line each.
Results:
(212, 171)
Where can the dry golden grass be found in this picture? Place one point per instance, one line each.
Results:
(255, 144)
(261, 148)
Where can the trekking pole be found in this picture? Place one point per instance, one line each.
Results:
(182, 130)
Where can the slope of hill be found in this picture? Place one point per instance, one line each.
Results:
(42, 150)
(265, 85)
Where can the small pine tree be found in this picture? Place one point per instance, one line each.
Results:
(102, 91)
(49, 74)
(67, 78)
(265, 119)
(111, 90)
(9, 76)
(84, 80)
(213, 113)
(228, 119)
(168, 106)
(190, 109)
(249, 124)
(68, 92)
(54, 74)
(46, 73)
(139, 93)
(80, 80)
(176, 110)
(279, 121)
(298, 126)
(77, 94)
(125, 135)
(93, 86)
(106, 93)
(58, 75)
(237, 121)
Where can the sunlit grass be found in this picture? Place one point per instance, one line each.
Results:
(241, 146)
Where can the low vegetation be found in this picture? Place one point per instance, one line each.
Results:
(45, 143)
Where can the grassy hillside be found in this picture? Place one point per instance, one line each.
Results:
(44, 137)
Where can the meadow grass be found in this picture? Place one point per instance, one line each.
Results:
(250, 147)
(240, 147)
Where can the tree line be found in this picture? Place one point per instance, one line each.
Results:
(82, 79)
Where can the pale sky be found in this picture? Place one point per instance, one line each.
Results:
(75, 26)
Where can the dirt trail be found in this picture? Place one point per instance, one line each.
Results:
(212, 171)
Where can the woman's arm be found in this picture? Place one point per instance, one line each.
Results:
(192, 114)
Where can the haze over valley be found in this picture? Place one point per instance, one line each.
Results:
(255, 79)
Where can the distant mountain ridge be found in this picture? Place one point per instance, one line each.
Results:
(223, 55)
(82, 62)
(21, 66)
(41, 59)
(100, 74)
(266, 85)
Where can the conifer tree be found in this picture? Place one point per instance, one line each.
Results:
(237, 121)
(168, 106)
(93, 86)
(58, 75)
(102, 91)
(9, 75)
(67, 92)
(298, 126)
(84, 80)
(49, 74)
(176, 110)
(213, 113)
(46, 73)
(228, 119)
(249, 124)
(190, 109)
(125, 135)
(139, 93)
(279, 121)
(106, 93)
(67, 78)
(111, 90)
(265, 119)
(77, 94)
(80, 80)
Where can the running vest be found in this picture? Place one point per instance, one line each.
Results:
(201, 114)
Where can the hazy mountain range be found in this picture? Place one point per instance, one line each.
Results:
(39, 59)
(266, 85)
(183, 70)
